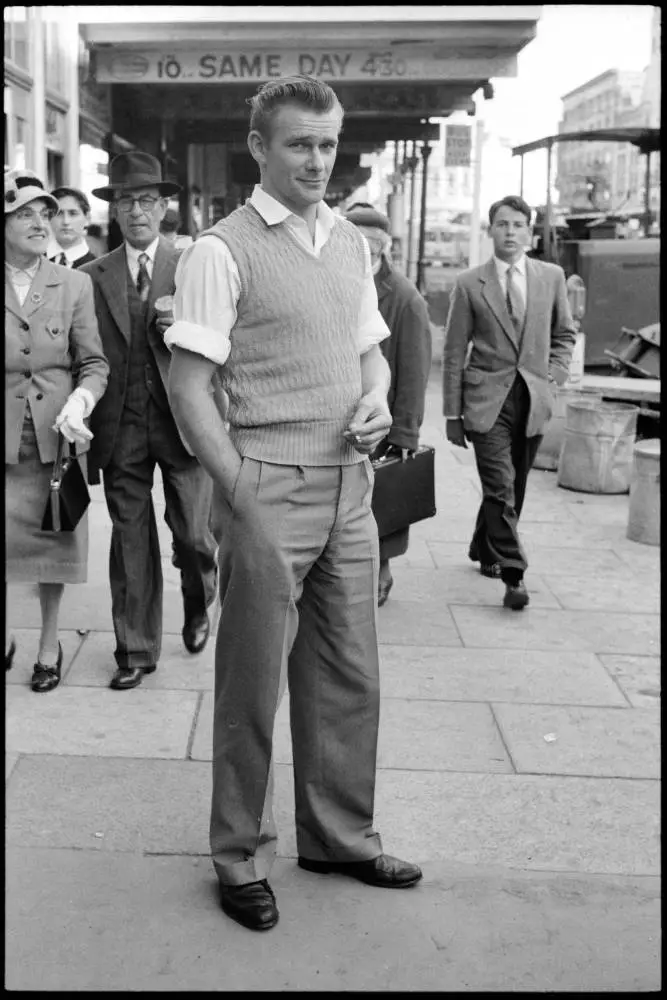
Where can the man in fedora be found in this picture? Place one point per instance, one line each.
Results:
(135, 430)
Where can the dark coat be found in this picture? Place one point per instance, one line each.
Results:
(408, 353)
(109, 274)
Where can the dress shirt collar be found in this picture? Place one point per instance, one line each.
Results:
(72, 253)
(503, 267)
(133, 253)
(273, 211)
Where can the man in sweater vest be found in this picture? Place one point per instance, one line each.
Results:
(135, 431)
(280, 295)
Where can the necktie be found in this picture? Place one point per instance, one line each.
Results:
(143, 279)
(62, 260)
(514, 300)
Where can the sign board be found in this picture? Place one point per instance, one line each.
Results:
(220, 65)
(458, 145)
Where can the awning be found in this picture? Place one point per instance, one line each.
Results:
(647, 139)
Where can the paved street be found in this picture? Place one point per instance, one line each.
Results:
(519, 764)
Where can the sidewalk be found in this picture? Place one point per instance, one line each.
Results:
(519, 764)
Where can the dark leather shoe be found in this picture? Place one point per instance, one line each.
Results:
(195, 633)
(384, 587)
(252, 904)
(516, 596)
(130, 677)
(383, 871)
(47, 677)
(490, 569)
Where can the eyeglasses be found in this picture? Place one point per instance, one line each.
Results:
(146, 203)
(28, 215)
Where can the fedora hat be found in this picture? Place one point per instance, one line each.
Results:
(135, 170)
(22, 187)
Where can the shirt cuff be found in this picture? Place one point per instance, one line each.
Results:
(88, 400)
(372, 333)
(204, 340)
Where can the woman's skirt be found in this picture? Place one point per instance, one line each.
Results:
(33, 555)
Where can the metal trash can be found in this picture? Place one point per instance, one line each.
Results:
(548, 453)
(597, 451)
(644, 512)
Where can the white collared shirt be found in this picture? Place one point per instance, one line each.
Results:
(133, 258)
(208, 292)
(520, 280)
(72, 253)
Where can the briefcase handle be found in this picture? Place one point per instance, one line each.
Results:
(58, 465)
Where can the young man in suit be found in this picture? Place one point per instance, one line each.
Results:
(135, 430)
(508, 343)
(68, 246)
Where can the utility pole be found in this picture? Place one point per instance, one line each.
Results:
(426, 152)
(411, 220)
(475, 219)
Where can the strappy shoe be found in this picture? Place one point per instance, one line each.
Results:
(47, 677)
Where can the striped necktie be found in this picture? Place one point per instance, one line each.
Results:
(143, 278)
(514, 300)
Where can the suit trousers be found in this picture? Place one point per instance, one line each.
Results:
(135, 565)
(298, 589)
(504, 457)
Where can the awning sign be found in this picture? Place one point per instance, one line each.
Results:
(350, 65)
(458, 145)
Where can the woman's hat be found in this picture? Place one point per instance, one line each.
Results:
(128, 171)
(22, 187)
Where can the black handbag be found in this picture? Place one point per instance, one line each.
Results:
(68, 493)
(404, 491)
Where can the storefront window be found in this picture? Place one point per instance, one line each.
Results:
(16, 36)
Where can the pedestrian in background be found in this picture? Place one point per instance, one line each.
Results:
(96, 240)
(280, 296)
(408, 352)
(55, 373)
(135, 430)
(69, 225)
(169, 229)
(508, 341)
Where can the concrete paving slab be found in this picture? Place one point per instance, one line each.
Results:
(10, 763)
(459, 585)
(448, 528)
(27, 648)
(418, 556)
(615, 591)
(437, 736)
(638, 676)
(643, 559)
(536, 628)
(92, 722)
(156, 806)
(498, 675)
(399, 622)
(614, 512)
(124, 923)
(586, 537)
(177, 669)
(541, 822)
(88, 606)
(607, 742)
(545, 561)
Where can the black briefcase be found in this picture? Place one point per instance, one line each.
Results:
(404, 491)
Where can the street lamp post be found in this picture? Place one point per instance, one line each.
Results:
(426, 152)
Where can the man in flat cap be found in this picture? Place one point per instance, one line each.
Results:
(135, 430)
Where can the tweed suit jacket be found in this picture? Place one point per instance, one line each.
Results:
(483, 352)
(52, 345)
(110, 275)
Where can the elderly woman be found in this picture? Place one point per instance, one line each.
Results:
(408, 354)
(55, 372)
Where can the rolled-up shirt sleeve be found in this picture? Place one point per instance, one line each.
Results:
(372, 328)
(208, 289)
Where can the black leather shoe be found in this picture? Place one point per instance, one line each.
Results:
(490, 569)
(516, 596)
(47, 677)
(130, 677)
(195, 633)
(383, 871)
(252, 904)
(384, 587)
(9, 655)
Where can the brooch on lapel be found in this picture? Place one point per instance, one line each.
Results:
(36, 298)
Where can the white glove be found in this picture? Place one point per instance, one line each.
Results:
(70, 419)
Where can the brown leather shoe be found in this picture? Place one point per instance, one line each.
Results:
(253, 905)
(130, 677)
(383, 871)
(516, 596)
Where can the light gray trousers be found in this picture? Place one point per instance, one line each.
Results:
(298, 588)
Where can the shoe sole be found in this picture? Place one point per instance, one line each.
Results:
(322, 868)
(237, 918)
(130, 687)
(516, 603)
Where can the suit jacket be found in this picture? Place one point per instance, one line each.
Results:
(52, 345)
(408, 353)
(110, 274)
(483, 353)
